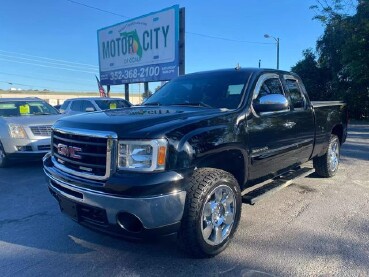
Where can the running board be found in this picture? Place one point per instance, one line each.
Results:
(268, 188)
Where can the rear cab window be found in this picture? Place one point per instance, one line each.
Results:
(297, 98)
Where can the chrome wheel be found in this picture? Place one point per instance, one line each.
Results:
(334, 154)
(218, 215)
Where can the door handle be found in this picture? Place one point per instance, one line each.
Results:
(289, 124)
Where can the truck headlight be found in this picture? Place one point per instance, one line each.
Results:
(142, 155)
(17, 131)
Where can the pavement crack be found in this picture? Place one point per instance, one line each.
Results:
(26, 218)
(302, 210)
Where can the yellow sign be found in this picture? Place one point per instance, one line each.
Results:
(113, 106)
(24, 109)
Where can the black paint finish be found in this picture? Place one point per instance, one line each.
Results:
(248, 145)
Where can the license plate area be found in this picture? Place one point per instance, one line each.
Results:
(82, 212)
(68, 207)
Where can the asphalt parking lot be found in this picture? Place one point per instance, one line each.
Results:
(314, 227)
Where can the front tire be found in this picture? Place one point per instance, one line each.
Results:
(327, 165)
(212, 213)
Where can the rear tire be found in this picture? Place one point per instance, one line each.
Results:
(212, 213)
(3, 158)
(327, 165)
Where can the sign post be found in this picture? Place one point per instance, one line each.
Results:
(182, 31)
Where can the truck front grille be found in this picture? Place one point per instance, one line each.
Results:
(41, 130)
(81, 155)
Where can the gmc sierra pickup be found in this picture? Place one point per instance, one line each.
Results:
(178, 163)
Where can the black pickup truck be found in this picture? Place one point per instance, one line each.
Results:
(178, 163)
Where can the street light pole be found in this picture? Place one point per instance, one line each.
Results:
(277, 41)
(277, 53)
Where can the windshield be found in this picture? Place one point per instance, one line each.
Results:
(109, 104)
(23, 108)
(212, 90)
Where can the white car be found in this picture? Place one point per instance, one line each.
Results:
(25, 128)
(81, 105)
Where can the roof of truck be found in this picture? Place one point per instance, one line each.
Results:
(241, 69)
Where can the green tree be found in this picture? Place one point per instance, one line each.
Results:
(341, 69)
(313, 75)
(355, 58)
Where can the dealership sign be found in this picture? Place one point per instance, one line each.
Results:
(143, 49)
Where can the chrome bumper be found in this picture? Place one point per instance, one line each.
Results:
(153, 212)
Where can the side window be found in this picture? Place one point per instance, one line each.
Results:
(76, 106)
(297, 98)
(65, 105)
(270, 86)
(87, 104)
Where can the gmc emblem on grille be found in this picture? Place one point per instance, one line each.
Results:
(69, 151)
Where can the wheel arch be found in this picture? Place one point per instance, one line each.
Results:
(338, 131)
(233, 161)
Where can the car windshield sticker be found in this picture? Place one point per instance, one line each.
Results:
(24, 109)
(113, 106)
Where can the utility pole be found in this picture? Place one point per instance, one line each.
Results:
(277, 41)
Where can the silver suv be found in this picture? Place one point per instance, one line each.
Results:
(81, 105)
(25, 128)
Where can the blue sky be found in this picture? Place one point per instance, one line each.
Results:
(53, 44)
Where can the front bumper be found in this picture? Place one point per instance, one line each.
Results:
(160, 214)
(25, 149)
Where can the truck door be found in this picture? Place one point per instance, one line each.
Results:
(303, 115)
(273, 142)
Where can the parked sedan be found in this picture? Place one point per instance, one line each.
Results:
(25, 128)
(91, 104)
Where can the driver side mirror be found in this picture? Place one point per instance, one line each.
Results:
(271, 103)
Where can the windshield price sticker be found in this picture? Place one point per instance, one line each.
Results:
(113, 106)
(24, 109)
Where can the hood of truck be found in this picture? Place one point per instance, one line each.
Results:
(140, 122)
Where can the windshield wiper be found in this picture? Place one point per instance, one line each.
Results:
(152, 104)
(199, 104)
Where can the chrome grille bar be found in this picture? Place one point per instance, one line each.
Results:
(95, 158)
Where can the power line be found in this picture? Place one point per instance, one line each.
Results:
(28, 76)
(95, 8)
(47, 62)
(228, 39)
(49, 80)
(43, 65)
(19, 84)
(27, 85)
(42, 87)
(50, 59)
(197, 34)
